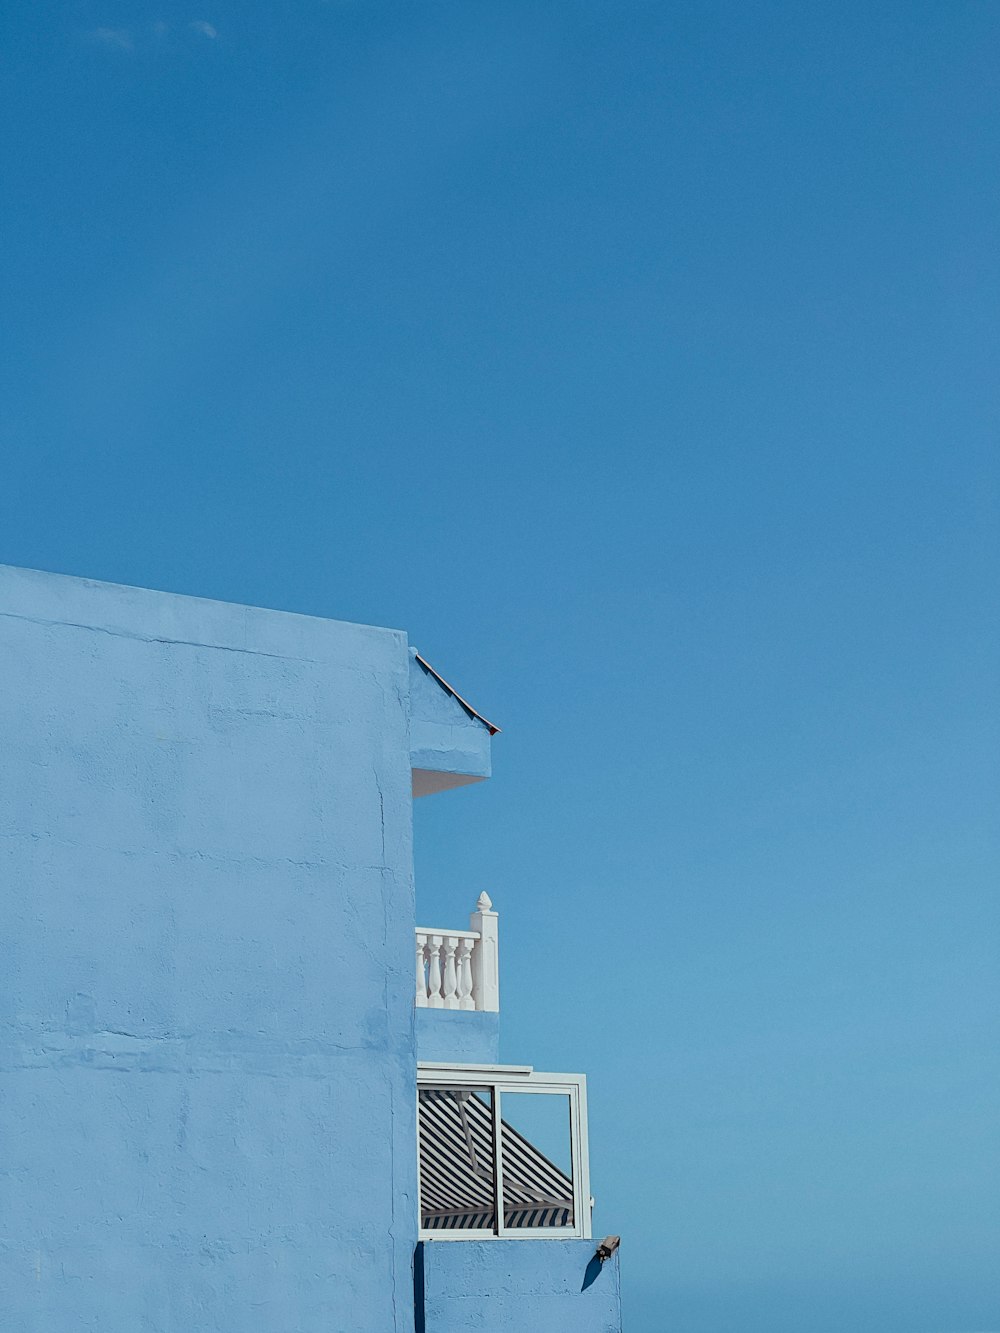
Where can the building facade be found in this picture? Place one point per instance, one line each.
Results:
(215, 1052)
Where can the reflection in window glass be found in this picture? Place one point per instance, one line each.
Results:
(536, 1152)
(457, 1185)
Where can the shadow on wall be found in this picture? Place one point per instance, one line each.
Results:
(593, 1272)
(418, 1290)
(602, 1254)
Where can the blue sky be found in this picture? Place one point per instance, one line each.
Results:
(639, 359)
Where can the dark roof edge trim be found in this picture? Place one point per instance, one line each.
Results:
(455, 695)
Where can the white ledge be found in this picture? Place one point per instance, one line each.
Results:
(446, 1066)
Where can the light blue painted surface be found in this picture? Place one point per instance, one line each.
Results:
(443, 737)
(457, 1036)
(206, 1018)
(517, 1286)
(207, 978)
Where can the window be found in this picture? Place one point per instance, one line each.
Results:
(503, 1152)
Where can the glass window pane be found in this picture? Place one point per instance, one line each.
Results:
(536, 1151)
(457, 1180)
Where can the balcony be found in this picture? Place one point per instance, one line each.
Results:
(459, 969)
(502, 1149)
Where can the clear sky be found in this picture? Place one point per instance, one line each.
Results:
(640, 360)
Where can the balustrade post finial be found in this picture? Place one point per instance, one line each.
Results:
(485, 959)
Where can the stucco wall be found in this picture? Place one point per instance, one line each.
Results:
(458, 1037)
(206, 959)
(516, 1286)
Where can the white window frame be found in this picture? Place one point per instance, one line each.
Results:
(498, 1079)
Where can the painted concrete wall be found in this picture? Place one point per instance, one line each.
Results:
(206, 967)
(458, 1036)
(516, 1286)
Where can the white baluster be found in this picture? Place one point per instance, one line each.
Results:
(434, 999)
(485, 957)
(449, 988)
(421, 970)
(464, 961)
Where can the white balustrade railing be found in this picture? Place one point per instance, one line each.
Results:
(459, 969)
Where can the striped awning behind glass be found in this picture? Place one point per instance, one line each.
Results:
(457, 1179)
